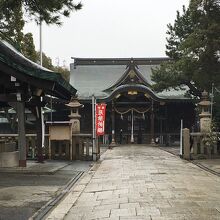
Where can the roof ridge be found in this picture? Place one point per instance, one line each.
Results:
(119, 61)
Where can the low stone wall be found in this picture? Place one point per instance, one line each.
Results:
(9, 159)
(194, 146)
(7, 147)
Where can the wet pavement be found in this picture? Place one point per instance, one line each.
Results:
(142, 182)
(211, 165)
(24, 191)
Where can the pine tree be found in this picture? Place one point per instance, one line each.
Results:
(193, 44)
(28, 47)
(49, 11)
(12, 24)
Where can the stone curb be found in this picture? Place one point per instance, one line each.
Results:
(32, 172)
(55, 214)
(205, 168)
(195, 163)
(44, 210)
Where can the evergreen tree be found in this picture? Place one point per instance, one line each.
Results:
(193, 44)
(49, 11)
(11, 25)
(63, 71)
(28, 47)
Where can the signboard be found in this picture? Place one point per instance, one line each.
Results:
(100, 119)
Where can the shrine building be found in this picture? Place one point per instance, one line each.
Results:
(135, 112)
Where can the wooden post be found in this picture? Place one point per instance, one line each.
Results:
(152, 123)
(49, 150)
(87, 148)
(113, 144)
(81, 149)
(71, 148)
(21, 134)
(186, 144)
(39, 135)
(74, 148)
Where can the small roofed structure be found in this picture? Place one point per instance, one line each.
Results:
(24, 84)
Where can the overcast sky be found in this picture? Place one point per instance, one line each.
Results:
(110, 28)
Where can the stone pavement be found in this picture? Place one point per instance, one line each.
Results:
(48, 167)
(142, 182)
(212, 165)
(24, 192)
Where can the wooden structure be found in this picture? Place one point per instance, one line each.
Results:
(135, 112)
(24, 84)
(61, 133)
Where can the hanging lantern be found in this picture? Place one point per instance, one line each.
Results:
(143, 116)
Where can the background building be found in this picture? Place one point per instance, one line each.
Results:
(135, 112)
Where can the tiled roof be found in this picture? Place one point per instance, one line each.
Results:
(15, 60)
(94, 76)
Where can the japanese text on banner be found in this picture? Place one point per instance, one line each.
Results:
(100, 119)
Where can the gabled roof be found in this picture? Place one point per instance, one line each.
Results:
(24, 68)
(130, 76)
(103, 77)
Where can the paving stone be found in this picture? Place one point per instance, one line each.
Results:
(56, 216)
(81, 209)
(148, 211)
(105, 195)
(114, 201)
(104, 207)
(129, 205)
(79, 188)
(97, 214)
(71, 216)
(113, 218)
(87, 202)
(143, 182)
(123, 212)
(174, 210)
(136, 218)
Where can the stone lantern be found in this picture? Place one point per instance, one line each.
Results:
(205, 115)
(74, 116)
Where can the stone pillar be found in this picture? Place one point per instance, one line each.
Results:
(74, 116)
(21, 134)
(186, 144)
(205, 115)
(113, 144)
(195, 145)
(152, 123)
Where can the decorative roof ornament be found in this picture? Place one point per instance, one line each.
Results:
(132, 64)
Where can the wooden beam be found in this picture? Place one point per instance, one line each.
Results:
(21, 134)
(38, 83)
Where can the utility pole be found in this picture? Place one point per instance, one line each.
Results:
(132, 126)
(41, 98)
(41, 53)
(94, 150)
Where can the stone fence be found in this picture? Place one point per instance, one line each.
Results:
(195, 147)
(82, 147)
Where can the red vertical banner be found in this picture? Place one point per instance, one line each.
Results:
(100, 119)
